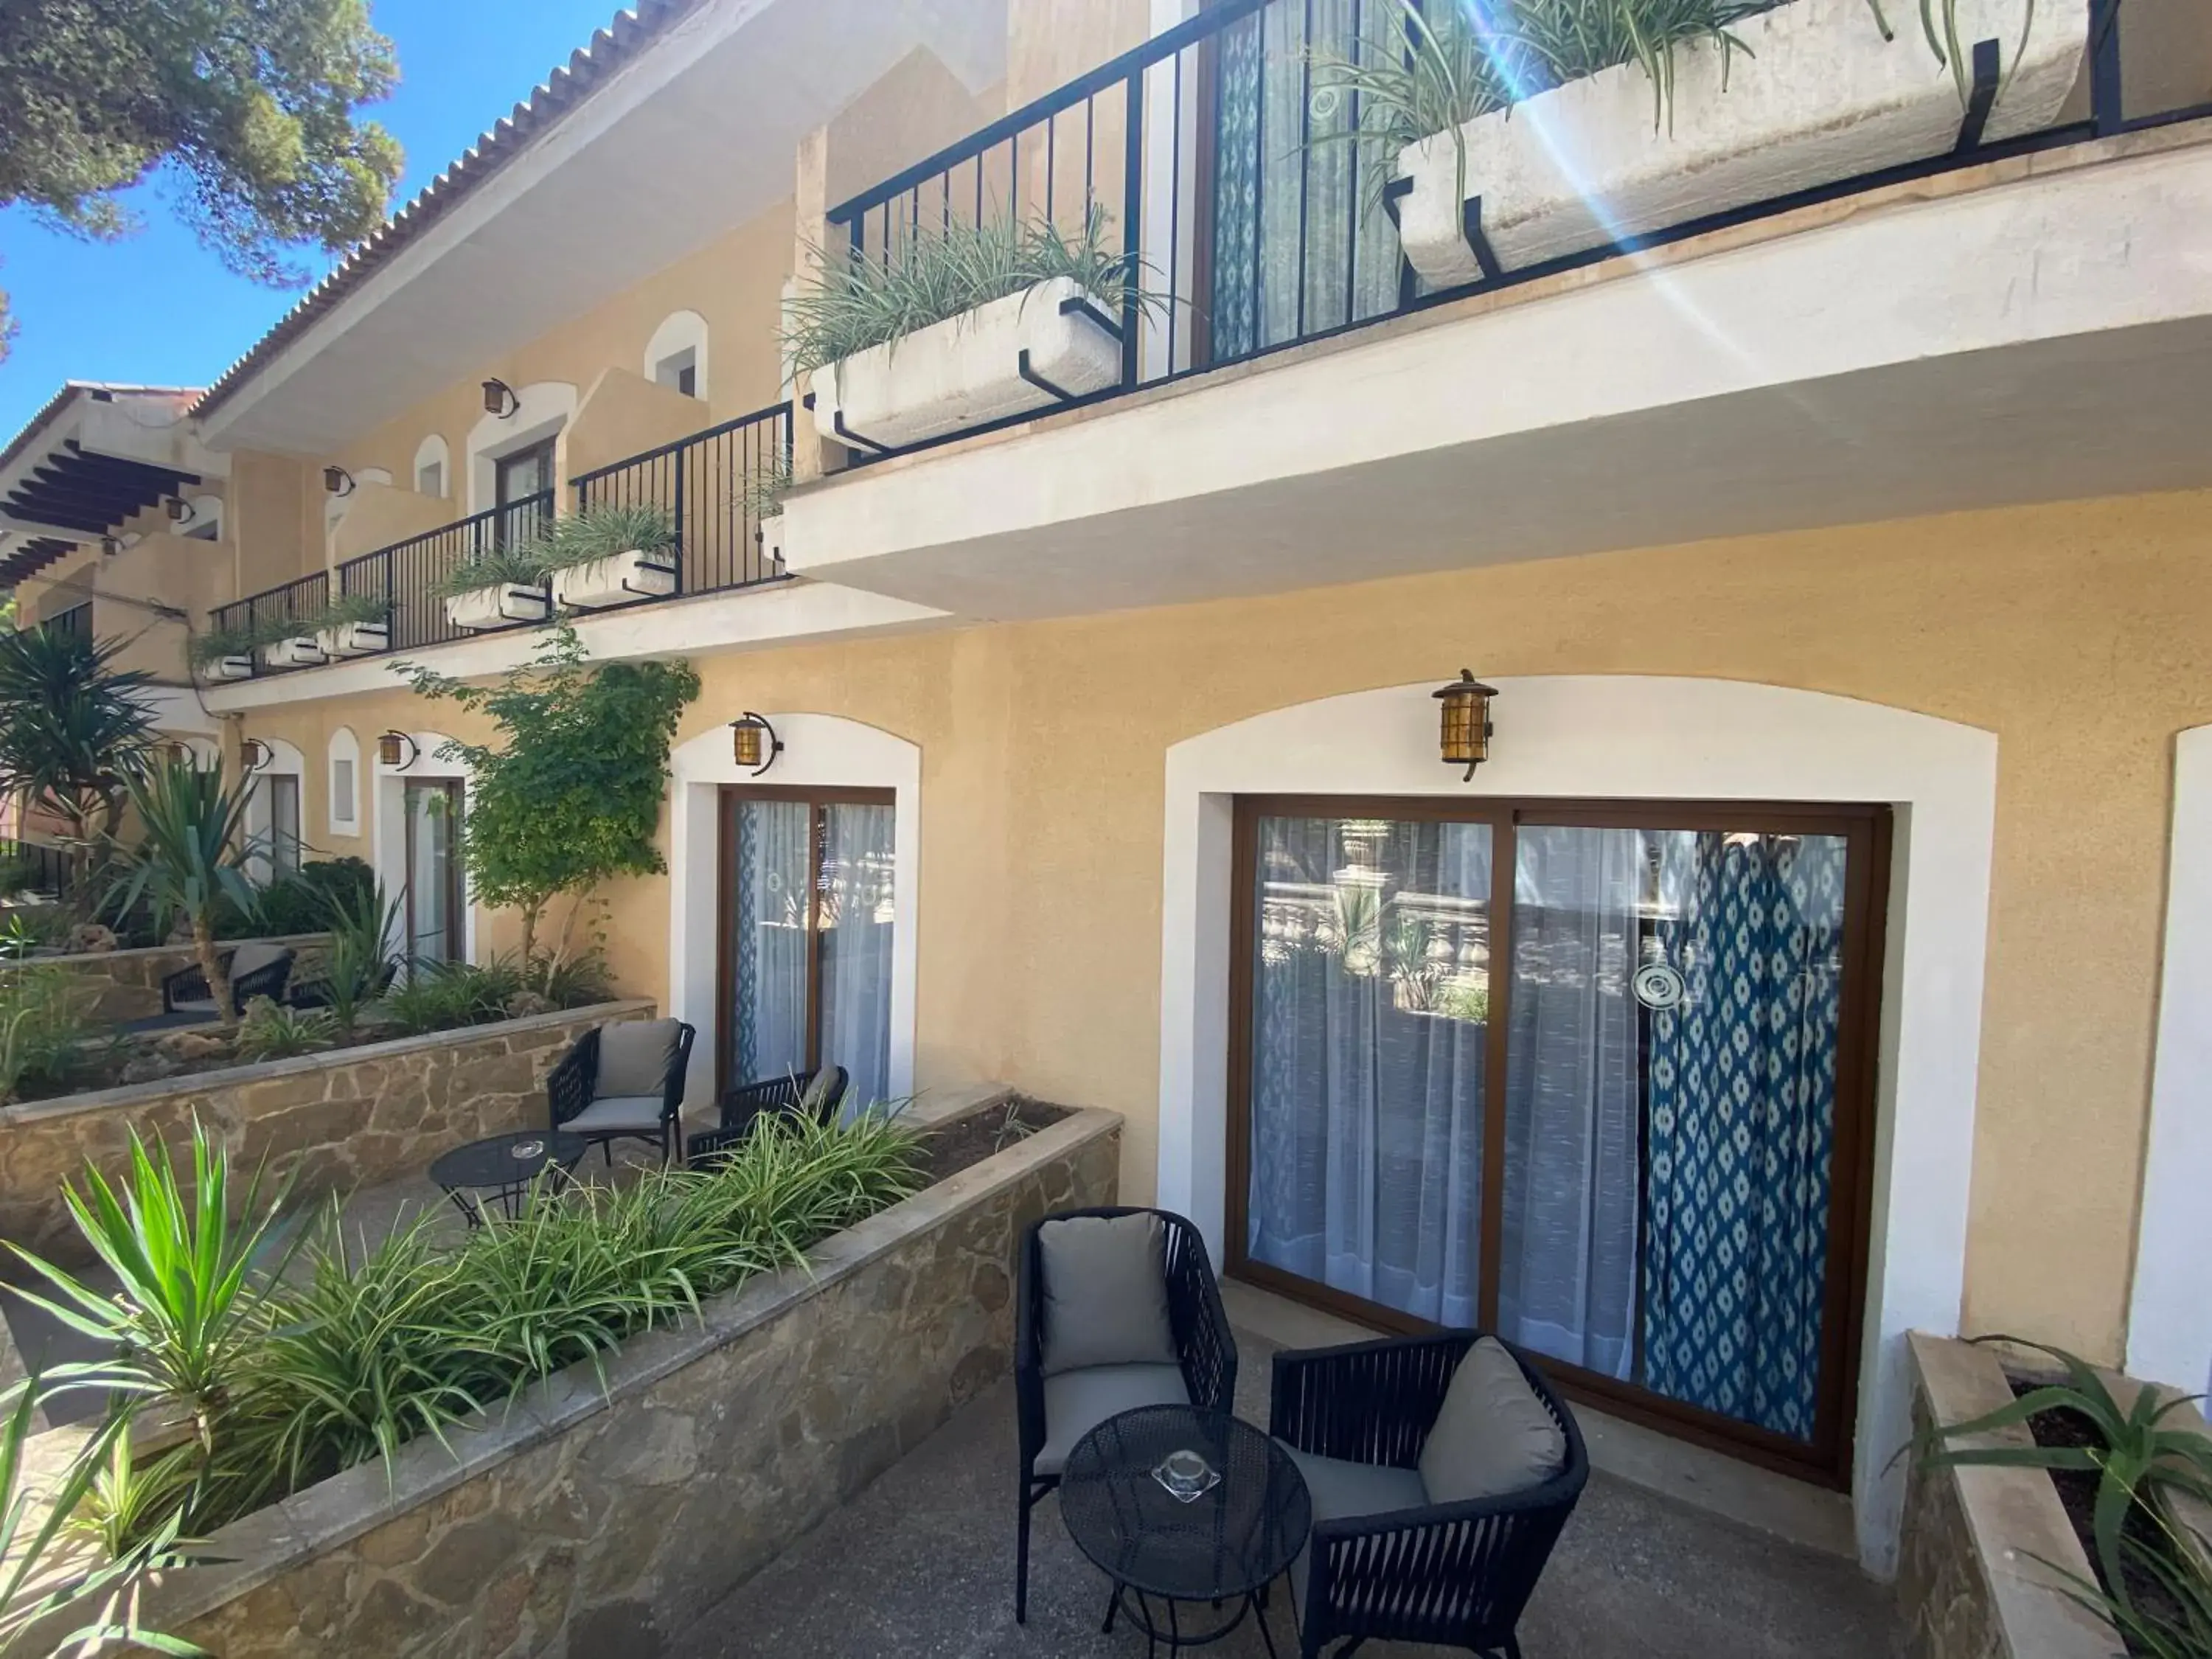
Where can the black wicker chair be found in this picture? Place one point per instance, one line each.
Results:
(1456, 1575)
(744, 1106)
(576, 1106)
(1205, 1352)
(256, 969)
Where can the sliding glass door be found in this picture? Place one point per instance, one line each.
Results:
(1593, 1077)
(807, 902)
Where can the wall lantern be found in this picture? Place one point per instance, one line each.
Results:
(755, 742)
(337, 481)
(181, 510)
(109, 546)
(1464, 739)
(500, 400)
(396, 750)
(255, 755)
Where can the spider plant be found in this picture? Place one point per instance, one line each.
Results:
(2145, 1459)
(2180, 1565)
(877, 299)
(348, 610)
(601, 533)
(524, 564)
(764, 490)
(41, 1579)
(190, 1300)
(1939, 26)
(211, 646)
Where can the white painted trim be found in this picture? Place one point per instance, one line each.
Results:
(1630, 737)
(679, 331)
(388, 822)
(344, 746)
(285, 761)
(783, 613)
(823, 752)
(544, 410)
(2170, 1311)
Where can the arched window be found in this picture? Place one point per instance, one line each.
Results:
(431, 474)
(676, 357)
(345, 782)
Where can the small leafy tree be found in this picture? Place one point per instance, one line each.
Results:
(569, 793)
(73, 727)
(190, 860)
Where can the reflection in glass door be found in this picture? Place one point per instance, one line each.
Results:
(808, 901)
(1633, 1141)
(434, 902)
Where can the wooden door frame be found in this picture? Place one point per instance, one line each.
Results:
(1867, 829)
(725, 898)
(454, 791)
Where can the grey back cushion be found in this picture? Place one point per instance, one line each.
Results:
(1494, 1435)
(1105, 1292)
(634, 1057)
(247, 958)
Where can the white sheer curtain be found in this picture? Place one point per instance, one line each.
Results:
(1567, 1256)
(774, 865)
(1369, 1034)
(856, 947)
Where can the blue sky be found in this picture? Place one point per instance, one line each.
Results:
(158, 309)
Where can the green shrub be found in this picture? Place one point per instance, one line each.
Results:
(269, 1031)
(45, 1019)
(301, 901)
(439, 996)
(576, 981)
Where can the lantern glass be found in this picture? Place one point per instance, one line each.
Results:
(1463, 726)
(748, 742)
(391, 749)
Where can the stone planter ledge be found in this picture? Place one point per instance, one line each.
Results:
(327, 1517)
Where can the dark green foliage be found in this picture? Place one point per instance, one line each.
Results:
(303, 902)
(569, 795)
(72, 728)
(244, 109)
(189, 860)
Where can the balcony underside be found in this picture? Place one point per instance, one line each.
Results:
(2033, 330)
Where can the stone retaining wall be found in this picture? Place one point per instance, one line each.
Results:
(1968, 1582)
(353, 1117)
(593, 1519)
(130, 982)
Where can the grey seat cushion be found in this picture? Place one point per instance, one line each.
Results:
(194, 1006)
(1078, 1401)
(1105, 1292)
(634, 1056)
(1494, 1435)
(1341, 1489)
(609, 1114)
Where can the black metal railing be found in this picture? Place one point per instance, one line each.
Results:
(404, 574)
(1197, 153)
(260, 616)
(37, 866)
(713, 485)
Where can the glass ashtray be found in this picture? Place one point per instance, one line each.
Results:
(526, 1149)
(1185, 1477)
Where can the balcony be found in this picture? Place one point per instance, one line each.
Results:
(708, 484)
(1300, 383)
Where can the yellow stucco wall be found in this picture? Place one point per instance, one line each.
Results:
(2081, 634)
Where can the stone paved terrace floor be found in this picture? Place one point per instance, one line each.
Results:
(922, 1564)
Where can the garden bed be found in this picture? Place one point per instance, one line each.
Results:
(613, 1507)
(128, 981)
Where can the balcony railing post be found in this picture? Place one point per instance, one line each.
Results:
(1133, 219)
(682, 548)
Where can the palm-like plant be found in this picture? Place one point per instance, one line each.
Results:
(40, 1579)
(72, 729)
(364, 929)
(193, 1292)
(190, 859)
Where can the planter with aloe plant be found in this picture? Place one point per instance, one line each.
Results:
(1565, 125)
(762, 503)
(497, 587)
(355, 625)
(608, 555)
(956, 327)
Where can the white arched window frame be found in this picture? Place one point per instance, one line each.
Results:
(676, 357)
(285, 773)
(433, 471)
(202, 519)
(343, 802)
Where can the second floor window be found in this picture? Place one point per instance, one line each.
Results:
(521, 479)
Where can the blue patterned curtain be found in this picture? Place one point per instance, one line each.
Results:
(1742, 1100)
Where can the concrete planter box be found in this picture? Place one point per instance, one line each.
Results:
(968, 370)
(607, 1513)
(360, 639)
(1969, 1582)
(1821, 97)
(229, 668)
(301, 651)
(771, 541)
(497, 606)
(130, 982)
(616, 579)
(352, 1117)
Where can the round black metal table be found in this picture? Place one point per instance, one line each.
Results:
(502, 1171)
(1229, 1527)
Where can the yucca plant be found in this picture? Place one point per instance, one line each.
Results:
(191, 1287)
(2147, 1455)
(854, 302)
(47, 1569)
(189, 859)
(132, 1498)
(364, 927)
